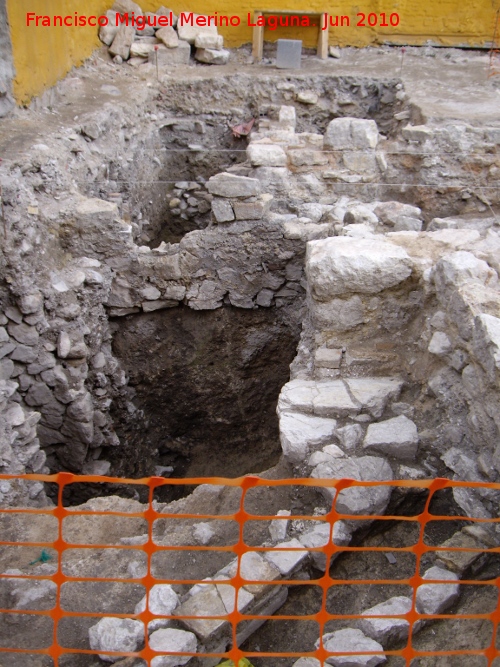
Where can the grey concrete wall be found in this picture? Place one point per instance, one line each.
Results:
(6, 63)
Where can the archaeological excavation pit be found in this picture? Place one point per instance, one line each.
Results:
(318, 299)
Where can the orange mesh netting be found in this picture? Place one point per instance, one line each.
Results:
(12, 642)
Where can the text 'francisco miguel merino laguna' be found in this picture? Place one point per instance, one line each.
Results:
(273, 22)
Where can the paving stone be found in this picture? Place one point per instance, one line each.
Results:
(396, 437)
(170, 640)
(357, 500)
(436, 598)
(285, 559)
(349, 641)
(387, 630)
(116, 634)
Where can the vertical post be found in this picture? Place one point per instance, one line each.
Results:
(258, 38)
(322, 50)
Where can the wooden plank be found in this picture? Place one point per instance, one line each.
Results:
(322, 50)
(258, 38)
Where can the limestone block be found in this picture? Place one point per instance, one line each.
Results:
(107, 33)
(126, 7)
(174, 641)
(460, 268)
(164, 11)
(360, 215)
(338, 314)
(459, 561)
(339, 265)
(397, 437)
(207, 602)
(486, 343)
(252, 210)
(436, 598)
(116, 634)
(307, 97)
(266, 155)
(231, 185)
(253, 567)
(38, 394)
(387, 630)
(440, 344)
(285, 558)
(351, 133)
(142, 49)
(23, 353)
(389, 212)
(162, 600)
(228, 596)
(303, 230)
(278, 527)
(358, 500)
(405, 223)
(327, 358)
(165, 57)
(350, 435)
(31, 303)
(151, 293)
(189, 32)
(361, 163)
(297, 395)
(349, 641)
(122, 42)
(82, 409)
(305, 157)
(168, 36)
(307, 662)
(150, 306)
(373, 393)
(287, 118)
(333, 400)
(209, 41)
(222, 210)
(319, 537)
(212, 56)
(418, 133)
(300, 433)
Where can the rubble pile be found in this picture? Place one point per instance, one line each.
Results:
(161, 38)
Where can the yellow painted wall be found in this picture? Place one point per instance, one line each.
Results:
(43, 55)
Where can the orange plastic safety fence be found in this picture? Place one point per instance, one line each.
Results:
(12, 638)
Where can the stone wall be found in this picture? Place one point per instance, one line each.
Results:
(6, 63)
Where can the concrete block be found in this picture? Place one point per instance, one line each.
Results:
(177, 56)
(289, 53)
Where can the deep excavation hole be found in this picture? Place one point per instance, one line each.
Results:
(206, 386)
